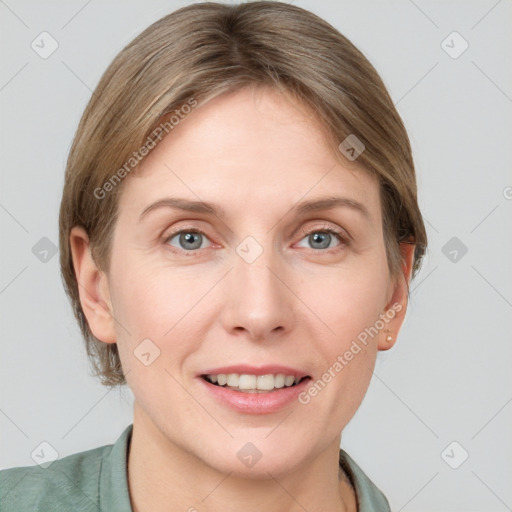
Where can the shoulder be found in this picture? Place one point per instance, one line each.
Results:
(369, 497)
(70, 483)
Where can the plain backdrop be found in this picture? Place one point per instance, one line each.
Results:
(443, 393)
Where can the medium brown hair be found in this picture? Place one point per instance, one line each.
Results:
(199, 52)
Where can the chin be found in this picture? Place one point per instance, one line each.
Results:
(255, 458)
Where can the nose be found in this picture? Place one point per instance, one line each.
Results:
(258, 303)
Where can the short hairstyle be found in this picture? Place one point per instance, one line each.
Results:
(195, 54)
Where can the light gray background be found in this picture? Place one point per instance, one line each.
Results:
(448, 378)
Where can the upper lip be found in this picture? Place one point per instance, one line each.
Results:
(273, 369)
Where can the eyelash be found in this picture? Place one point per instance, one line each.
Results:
(342, 238)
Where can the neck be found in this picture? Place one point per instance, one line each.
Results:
(163, 476)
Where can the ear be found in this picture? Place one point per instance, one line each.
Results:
(396, 307)
(93, 287)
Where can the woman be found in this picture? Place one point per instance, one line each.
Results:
(238, 230)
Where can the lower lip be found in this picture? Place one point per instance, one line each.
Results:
(256, 403)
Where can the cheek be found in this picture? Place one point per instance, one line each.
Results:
(143, 306)
(348, 300)
(157, 303)
(149, 299)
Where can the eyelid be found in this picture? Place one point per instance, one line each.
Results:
(187, 229)
(330, 228)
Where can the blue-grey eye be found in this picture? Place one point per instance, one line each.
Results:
(188, 240)
(322, 239)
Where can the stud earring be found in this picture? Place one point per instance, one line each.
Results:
(389, 338)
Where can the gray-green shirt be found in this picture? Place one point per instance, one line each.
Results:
(96, 481)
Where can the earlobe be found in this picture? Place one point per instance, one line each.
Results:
(397, 305)
(92, 287)
(388, 341)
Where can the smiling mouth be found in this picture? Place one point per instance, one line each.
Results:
(246, 383)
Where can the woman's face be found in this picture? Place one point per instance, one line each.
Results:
(256, 283)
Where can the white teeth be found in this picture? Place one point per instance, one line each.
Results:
(279, 380)
(265, 382)
(247, 382)
(233, 379)
(289, 380)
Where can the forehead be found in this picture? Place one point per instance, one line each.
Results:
(252, 148)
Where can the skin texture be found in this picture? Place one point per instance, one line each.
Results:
(256, 154)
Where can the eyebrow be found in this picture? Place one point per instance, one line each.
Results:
(314, 205)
